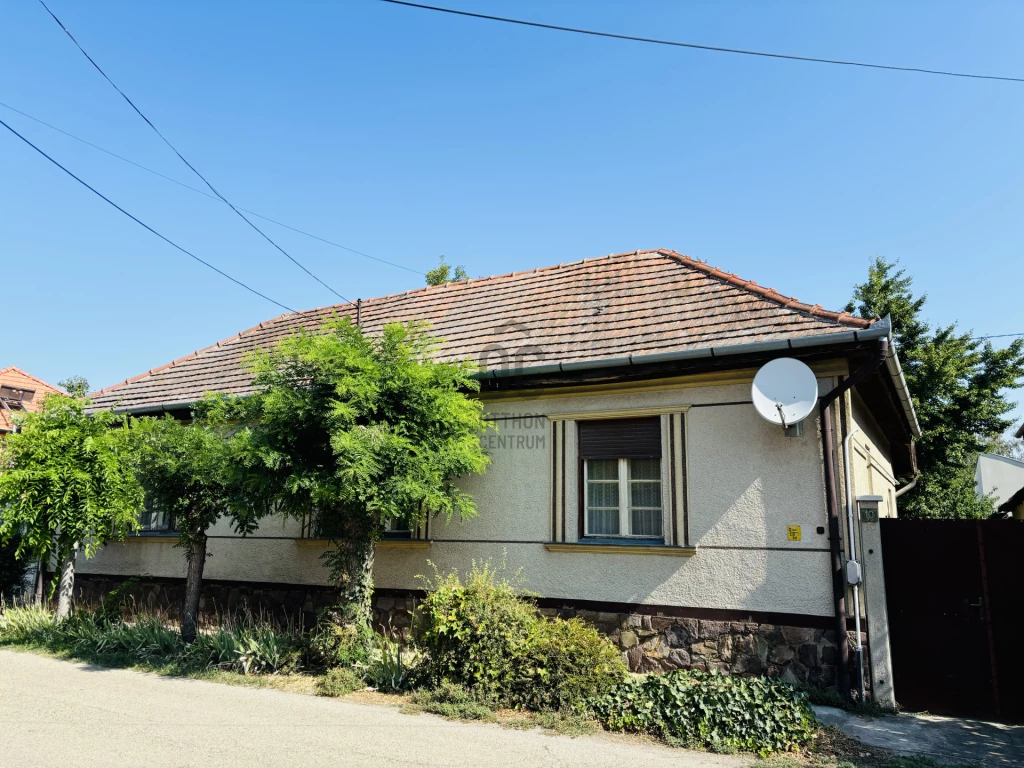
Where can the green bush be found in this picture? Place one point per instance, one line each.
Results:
(26, 625)
(717, 712)
(249, 648)
(391, 666)
(339, 682)
(339, 639)
(562, 665)
(481, 634)
(114, 602)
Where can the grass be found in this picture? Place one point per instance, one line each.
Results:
(339, 681)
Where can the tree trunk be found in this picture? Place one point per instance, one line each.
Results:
(193, 587)
(40, 579)
(67, 582)
(355, 579)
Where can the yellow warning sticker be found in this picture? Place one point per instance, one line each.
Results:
(793, 532)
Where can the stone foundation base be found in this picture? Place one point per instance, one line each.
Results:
(649, 642)
(653, 643)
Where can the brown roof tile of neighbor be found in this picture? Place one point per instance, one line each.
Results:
(20, 391)
(636, 303)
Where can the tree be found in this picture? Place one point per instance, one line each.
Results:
(184, 469)
(958, 386)
(67, 483)
(357, 431)
(1011, 448)
(76, 386)
(443, 274)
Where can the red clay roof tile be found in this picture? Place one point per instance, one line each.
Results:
(639, 302)
(16, 378)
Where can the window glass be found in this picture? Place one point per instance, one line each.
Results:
(623, 498)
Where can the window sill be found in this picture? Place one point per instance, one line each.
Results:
(606, 547)
(382, 544)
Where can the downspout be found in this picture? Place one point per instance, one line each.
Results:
(831, 504)
(853, 557)
(908, 486)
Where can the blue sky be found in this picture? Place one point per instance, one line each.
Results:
(407, 134)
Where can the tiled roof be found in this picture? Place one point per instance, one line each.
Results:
(641, 302)
(15, 378)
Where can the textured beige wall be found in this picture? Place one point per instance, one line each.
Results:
(746, 483)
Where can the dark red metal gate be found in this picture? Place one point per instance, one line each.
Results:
(955, 596)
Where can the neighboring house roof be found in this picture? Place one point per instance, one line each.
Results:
(595, 312)
(20, 391)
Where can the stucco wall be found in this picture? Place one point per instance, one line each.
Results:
(871, 467)
(746, 483)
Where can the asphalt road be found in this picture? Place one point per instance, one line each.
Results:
(62, 713)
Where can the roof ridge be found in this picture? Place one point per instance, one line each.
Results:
(769, 293)
(468, 280)
(28, 375)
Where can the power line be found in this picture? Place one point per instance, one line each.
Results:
(207, 194)
(142, 223)
(699, 47)
(186, 162)
(997, 336)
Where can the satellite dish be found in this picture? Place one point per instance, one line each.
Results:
(785, 391)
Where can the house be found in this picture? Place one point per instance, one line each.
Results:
(1014, 505)
(21, 392)
(999, 477)
(632, 481)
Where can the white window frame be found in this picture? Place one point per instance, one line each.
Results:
(625, 519)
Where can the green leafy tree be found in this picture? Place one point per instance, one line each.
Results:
(186, 472)
(444, 274)
(356, 431)
(1011, 448)
(67, 484)
(76, 386)
(959, 390)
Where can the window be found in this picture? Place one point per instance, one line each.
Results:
(397, 529)
(621, 465)
(154, 519)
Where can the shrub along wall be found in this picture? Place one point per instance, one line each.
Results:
(649, 643)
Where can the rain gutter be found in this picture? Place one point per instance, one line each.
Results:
(879, 330)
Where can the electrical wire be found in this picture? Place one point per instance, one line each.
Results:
(699, 47)
(206, 194)
(142, 223)
(997, 336)
(182, 157)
